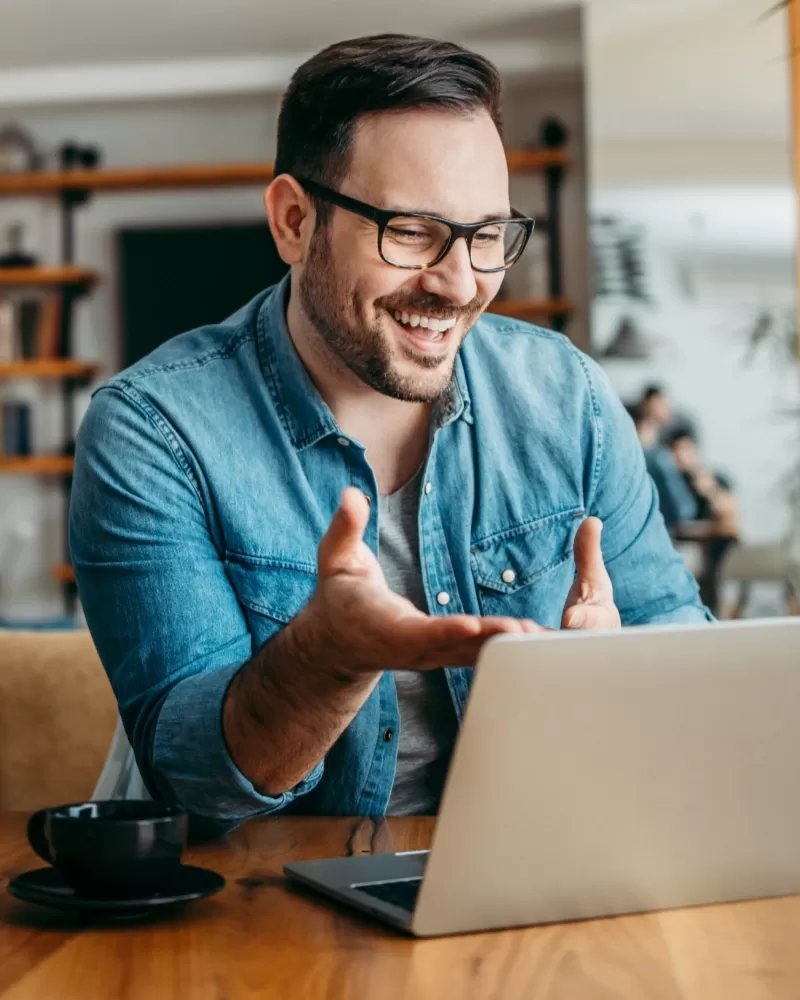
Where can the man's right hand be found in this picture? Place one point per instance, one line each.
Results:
(288, 705)
(357, 623)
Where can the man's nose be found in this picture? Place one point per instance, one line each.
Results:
(453, 277)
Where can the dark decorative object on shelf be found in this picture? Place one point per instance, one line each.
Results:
(627, 343)
(72, 156)
(18, 150)
(553, 134)
(15, 254)
(16, 421)
(620, 269)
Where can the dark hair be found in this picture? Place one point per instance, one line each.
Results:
(650, 391)
(680, 433)
(330, 92)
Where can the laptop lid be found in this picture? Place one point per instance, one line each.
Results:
(601, 773)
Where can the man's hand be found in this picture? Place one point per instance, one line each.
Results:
(590, 602)
(359, 624)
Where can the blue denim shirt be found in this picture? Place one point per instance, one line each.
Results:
(207, 473)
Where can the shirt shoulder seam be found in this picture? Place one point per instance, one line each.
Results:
(163, 427)
(227, 351)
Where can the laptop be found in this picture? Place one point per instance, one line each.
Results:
(601, 773)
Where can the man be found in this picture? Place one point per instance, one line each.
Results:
(655, 408)
(715, 503)
(284, 527)
(676, 501)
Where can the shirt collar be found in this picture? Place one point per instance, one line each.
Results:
(304, 414)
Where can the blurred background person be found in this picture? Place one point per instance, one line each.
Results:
(716, 508)
(675, 498)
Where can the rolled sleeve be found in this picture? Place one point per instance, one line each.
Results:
(189, 748)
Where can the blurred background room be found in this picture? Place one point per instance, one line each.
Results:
(651, 139)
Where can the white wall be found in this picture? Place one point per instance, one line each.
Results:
(738, 244)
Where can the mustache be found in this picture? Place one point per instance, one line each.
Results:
(431, 305)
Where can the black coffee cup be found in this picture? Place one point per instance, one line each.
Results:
(111, 850)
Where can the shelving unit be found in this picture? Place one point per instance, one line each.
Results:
(36, 465)
(166, 178)
(531, 308)
(75, 187)
(63, 573)
(77, 279)
(50, 370)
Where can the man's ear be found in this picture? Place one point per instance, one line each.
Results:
(291, 217)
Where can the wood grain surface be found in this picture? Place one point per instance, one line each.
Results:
(261, 937)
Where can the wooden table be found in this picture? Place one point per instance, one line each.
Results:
(262, 938)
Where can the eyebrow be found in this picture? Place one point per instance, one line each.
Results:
(489, 217)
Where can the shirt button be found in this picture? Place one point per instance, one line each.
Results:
(343, 442)
(442, 598)
(388, 735)
(509, 576)
(428, 488)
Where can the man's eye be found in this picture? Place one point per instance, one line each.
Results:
(408, 234)
(486, 239)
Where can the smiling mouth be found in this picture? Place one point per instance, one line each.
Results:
(426, 333)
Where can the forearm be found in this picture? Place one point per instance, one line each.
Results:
(287, 706)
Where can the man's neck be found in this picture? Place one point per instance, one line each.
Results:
(395, 433)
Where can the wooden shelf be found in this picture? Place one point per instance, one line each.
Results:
(63, 573)
(530, 161)
(57, 276)
(36, 465)
(203, 175)
(522, 308)
(50, 369)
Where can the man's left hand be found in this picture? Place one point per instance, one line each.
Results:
(590, 602)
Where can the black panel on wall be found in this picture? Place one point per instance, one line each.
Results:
(174, 279)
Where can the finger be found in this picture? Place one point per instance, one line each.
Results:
(498, 625)
(591, 616)
(589, 566)
(339, 549)
(423, 631)
(534, 628)
(465, 652)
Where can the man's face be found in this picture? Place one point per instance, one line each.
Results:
(363, 308)
(686, 454)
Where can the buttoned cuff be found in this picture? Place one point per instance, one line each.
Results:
(190, 755)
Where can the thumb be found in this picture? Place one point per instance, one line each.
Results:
(589, 566)
(341, 548)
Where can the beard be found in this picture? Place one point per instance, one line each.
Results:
(363, 348)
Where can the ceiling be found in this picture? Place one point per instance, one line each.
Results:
(700, 72)
(658, 69)
(107, 31)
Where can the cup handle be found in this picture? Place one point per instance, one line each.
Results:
(36, 837)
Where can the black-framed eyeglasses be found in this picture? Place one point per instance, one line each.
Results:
(417, 241)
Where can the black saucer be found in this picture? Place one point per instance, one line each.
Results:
(46, 887)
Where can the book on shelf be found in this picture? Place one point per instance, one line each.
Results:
(30, 327)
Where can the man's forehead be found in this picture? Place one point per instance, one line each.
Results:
(422, 161)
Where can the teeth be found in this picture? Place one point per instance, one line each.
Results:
(426, 322)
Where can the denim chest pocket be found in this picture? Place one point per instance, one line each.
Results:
(271, 591)
(526, 571)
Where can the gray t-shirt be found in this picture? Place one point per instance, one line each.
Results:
(428, 724)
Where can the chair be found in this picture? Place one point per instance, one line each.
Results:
(777, 563)
(57, 718)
